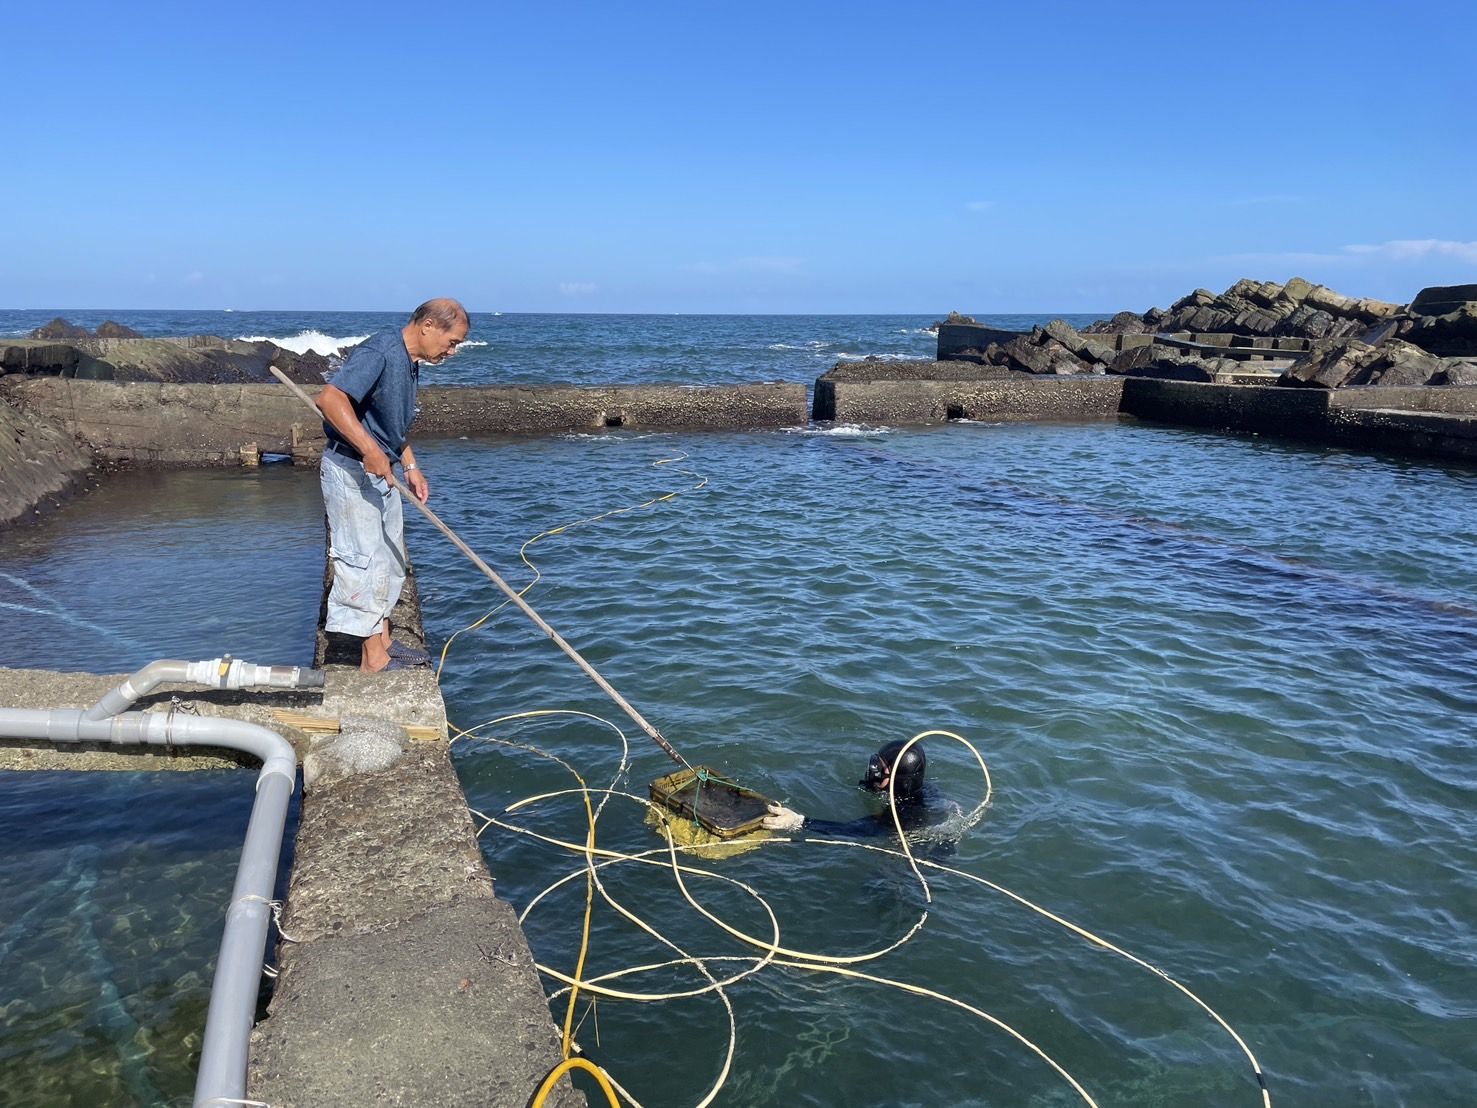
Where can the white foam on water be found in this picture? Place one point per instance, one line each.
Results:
(877, 357)
(840, 430)
(473, 342)
(304, 341)
(814, 344)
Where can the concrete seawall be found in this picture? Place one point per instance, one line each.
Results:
(39, 463)
(935, 392)
(1430, 421)
(470, 411)
(1371, 418)
(189, 424)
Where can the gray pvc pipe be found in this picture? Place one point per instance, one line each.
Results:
(232, 1011)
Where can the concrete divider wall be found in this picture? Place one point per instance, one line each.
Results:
(166, 424)
(1015, 396)
(405, 980)
(1291, 412)
(1452, 399)
(195, 424)
(1316, 415)
(513, 409)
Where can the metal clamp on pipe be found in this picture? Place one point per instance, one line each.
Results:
(224, 672)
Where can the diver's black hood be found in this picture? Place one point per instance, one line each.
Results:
(909, 773)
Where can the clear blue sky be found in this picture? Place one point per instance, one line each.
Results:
(732, 157)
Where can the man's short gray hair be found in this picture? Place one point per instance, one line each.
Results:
(443, 311)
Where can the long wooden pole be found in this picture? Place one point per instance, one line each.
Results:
(523, 605)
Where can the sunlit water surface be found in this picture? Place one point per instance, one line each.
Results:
(1225, 688)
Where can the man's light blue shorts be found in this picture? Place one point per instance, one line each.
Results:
(366, 545)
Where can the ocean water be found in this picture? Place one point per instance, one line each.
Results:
(581, 350)
(1223, 686)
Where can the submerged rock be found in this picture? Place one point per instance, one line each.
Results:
(60, 328)
(108, 329)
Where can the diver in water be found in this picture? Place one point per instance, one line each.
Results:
(884, 769)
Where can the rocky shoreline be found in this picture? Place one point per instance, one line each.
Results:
(1314, 336)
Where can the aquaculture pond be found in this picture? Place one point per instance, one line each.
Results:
(115, 883)
(1224, 687)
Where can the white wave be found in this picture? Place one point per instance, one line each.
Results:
(304, 341)
(875, 357)
(814, 344)
(473, 342)
(840, 430)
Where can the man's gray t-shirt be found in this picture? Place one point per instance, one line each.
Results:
(379, 377)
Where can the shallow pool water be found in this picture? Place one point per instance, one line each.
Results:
(115, 884)
(1224, 687)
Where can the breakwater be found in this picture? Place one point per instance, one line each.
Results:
(158, 423)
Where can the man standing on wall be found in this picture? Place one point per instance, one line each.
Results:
(367, 412)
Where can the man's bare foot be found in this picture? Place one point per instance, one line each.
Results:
(374, 654)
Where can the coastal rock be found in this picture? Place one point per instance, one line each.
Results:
(1297, 289)
(1457, 371)
(203, 359)
(33, 356)
(1049, 350)
(1154, 360)
(108, 329)
(1348, 362)
(38, 357)
(1442, 299)
(363, 746)
(1298, 309)
(1306, 322)
(1326, 299)
(1092, 351)
(1125, 323)
(59, 328)
(1451, 335)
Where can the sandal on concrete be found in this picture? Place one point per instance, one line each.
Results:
(408, 654)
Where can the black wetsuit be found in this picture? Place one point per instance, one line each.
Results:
(914, 813)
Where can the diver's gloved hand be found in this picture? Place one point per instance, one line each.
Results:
(781, 818)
